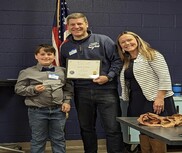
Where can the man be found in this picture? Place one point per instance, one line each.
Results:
(97, 95)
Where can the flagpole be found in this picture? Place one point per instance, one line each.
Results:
(58, 12)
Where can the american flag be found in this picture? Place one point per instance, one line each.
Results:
(59, 30)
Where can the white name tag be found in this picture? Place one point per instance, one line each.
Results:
(74, 51)
(53, 76)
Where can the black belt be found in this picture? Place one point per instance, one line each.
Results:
(44, 108)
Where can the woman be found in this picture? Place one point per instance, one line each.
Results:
(146, 84)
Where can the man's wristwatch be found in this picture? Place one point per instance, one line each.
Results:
(109, 78)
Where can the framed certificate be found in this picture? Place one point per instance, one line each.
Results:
(83, 69)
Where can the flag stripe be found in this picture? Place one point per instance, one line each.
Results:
(59, 30)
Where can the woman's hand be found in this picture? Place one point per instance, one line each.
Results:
(158, 104)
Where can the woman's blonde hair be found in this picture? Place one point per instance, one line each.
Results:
(143, 47)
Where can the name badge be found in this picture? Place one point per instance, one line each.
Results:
(74, 51)
(53, 76)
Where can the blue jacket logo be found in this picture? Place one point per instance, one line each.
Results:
(94, 45)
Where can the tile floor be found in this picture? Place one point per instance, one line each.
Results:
(74, 146)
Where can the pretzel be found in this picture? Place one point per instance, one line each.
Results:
(150, 119)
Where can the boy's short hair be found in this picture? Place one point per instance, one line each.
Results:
(47, 48)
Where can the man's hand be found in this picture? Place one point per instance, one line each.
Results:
(101, 79)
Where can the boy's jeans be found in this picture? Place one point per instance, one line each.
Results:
(47, 124)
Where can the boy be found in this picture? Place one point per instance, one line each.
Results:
(48, 96)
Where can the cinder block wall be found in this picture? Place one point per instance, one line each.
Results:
(25, 24)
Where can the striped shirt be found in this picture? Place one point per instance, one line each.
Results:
(151, 76)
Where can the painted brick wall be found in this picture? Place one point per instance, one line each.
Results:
(27, 23)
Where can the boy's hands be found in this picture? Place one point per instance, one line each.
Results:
(39, 88)
(65, 107)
